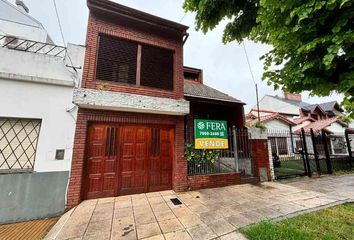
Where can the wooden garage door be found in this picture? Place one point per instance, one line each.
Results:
(128, 159)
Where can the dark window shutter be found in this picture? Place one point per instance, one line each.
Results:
(156, 67)
(117, 60)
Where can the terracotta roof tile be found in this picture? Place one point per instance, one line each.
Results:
(303, 119)
(318, 125)
(268, 117)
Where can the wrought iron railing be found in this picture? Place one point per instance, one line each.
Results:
(15, 43)
(309, 153)
(236, 158)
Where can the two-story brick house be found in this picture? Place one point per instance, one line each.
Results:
(134, 104)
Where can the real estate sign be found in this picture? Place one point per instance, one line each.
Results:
(210, 134)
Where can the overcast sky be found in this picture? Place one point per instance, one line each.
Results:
(225, 66)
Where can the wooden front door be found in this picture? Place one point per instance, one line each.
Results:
(128, 159)
(101, 166)
(133, 160)
(160, 159)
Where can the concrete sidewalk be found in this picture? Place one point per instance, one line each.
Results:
(205, 214)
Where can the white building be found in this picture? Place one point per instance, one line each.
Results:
(37, 117)
(284, 114)
(281, 113)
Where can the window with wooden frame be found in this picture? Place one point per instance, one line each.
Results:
(124, 61)
(156, 67)
(116, 60)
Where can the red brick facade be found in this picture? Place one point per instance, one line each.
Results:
(260, 156)
(86, 116)
(180, 181)
(213, 180)
(97, 25)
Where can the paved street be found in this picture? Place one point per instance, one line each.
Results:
(204, 214)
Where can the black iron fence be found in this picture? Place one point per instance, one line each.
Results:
(286, 151)
(236, 158)
(310, 153)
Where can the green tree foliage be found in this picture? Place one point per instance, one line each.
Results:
(313, 40)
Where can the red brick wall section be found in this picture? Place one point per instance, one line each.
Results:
(86, 116)
(260, 156)
(97, 25)
(214, 180)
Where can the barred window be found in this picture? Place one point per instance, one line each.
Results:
(18, 143)
(156, 67)
(117, 60)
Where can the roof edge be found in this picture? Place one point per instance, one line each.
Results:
(215, 99)
(119, 9)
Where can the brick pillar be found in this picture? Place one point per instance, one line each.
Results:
(260, 154)
(180, 164)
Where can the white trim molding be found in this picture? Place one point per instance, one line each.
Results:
(127, 102)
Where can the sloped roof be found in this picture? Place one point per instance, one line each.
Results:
(312, 108)
(318, 125)
(10, 12)
(109, 7)
(303, 119)
(327, 106)
(251, 118)
(331, 106)
(293, 102)
(199, 90)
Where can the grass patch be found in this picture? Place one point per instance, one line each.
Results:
(327, 224)
(290, 167)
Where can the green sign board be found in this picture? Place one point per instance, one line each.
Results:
(210, 134)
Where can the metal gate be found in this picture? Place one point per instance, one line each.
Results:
(310, 153)
(287, 155)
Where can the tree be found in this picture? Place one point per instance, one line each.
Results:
(313, 40)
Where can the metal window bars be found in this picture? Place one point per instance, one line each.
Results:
(15, 43)
(18, 143)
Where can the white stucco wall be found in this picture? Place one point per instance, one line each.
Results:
(23, 31)
(50, 104)
(277, 125)
(272, 104)
(35, 65)
(41, 87)
(336, 128)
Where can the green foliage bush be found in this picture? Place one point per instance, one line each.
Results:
(200, 155)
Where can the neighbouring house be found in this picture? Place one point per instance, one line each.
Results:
(37, 117)
(290, 113)
(137, 103)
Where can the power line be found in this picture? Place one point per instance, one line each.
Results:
(250, 68)
(248, 62)
(183, 17)
(62, 34)
(58, 19)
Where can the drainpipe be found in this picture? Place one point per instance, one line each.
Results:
(185, 38)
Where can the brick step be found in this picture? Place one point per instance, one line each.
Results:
(249, 180)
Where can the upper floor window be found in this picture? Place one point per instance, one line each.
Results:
(156, 67)
(117, 60)
(133, 63)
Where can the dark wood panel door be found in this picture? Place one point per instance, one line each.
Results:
(133, 160)
(101, 165)
(127, 159)
(160, 158)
